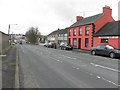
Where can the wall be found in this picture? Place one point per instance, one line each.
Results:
(4, 42)
(111, 41)
(82, 37)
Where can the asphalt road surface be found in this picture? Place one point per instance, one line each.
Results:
(42, 67)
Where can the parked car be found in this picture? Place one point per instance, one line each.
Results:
(52, 45)
(46, 44)
(20, 42)
(13, 43)
(105, 50)
(64, 46)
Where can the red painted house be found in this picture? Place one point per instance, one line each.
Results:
(108, 34)
(80, 34)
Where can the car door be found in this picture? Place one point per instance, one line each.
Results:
(103, 50)
(98, 50)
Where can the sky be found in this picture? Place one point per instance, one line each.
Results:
(48, 15)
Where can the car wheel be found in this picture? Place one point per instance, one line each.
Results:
(93, 52)
(64, 48)
(112, 55)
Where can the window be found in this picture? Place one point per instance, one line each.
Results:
(87, 30)
(104, 40)
(74, 42)
(86, 42)
(59, 35)
(65, 35)
(80, 31)
(74, 32)
(69, 32)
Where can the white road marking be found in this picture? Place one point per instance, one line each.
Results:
(98, 77)
(91, 74)
(105, 80)
(110, 81)
(3, 55)
(75, 68)
(104, 67)
(68, 57)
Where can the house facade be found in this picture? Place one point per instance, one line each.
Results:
(81, 33)
(109, 34)
(58, 36)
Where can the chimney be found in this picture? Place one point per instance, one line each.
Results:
(78, 18)
(107, 10)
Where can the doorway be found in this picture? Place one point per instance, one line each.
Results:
(79, 43)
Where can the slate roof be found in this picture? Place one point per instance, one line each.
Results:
(109, 29)
(60, 31)
(87, 20)
(3, 33)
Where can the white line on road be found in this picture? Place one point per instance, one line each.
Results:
(68, 57)
(96, 65)
(3, 55)
(75, 67)
(109, 81)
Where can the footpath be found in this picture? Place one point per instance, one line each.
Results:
(9, 69)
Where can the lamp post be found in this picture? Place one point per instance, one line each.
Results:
(9, 27)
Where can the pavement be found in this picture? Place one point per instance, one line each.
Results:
(83, 51)
(9, 69)
(42, 67)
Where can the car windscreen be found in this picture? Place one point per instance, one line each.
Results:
(109, 47)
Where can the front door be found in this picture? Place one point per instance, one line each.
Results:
(79, 43)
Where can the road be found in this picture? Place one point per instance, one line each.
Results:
(42, 67)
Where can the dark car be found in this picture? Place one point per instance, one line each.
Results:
(66, 47)
(105, 50)
(20, 42)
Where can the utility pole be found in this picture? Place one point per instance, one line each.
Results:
(9, 27)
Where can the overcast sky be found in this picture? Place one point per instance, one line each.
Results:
(48, 15)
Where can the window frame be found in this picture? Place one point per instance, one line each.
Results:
(104, 40)
(86, 42)
(80, 31)
(74, 42)
(74, 32)
(87, 30)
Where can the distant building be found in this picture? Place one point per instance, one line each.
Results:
(81, 33)
(17, 37)
(43, 39)
(58, 36)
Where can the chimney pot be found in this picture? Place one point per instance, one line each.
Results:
(107, 10)
(78, 18)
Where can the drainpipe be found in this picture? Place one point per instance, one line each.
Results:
(93, 31)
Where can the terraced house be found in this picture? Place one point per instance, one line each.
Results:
(58, 36)
(108, 34)
(81, 33)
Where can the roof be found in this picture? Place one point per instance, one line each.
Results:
(3, 33)
(87, 20)
(109, 29)
(59, 31)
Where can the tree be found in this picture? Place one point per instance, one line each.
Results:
(33, 35)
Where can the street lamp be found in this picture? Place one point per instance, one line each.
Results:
(9, 27)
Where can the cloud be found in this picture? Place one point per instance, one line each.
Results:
(48, 15)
